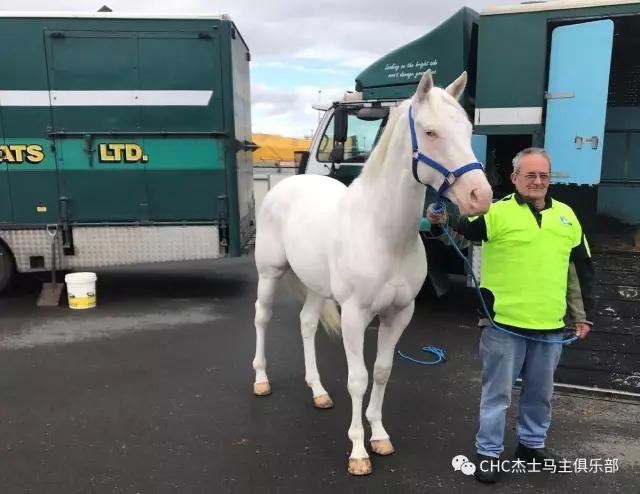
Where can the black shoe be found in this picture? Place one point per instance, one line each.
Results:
(539, 455)
(487, 469)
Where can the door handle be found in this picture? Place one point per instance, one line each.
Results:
(593, 140)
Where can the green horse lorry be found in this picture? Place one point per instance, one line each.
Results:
(124, 139)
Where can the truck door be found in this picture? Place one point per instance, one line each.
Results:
(577, 100)
(93, 78)
(183, 132)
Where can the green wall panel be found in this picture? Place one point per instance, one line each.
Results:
(632, 171)
(172, 153)
(97, 191)
(32, 178)
(615, 200)
(184, 178)
(185, 194)
(621, 156)
(613, 156)
(34, 196)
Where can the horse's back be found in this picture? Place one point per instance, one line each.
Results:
(295, 226)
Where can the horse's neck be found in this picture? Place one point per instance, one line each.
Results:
(393, 199)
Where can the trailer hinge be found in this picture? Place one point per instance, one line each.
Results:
(57, 34)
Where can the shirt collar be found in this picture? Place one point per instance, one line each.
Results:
(547, 200)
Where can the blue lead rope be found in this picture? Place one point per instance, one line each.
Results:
(438, 352)
(564, 341)
(439, 208)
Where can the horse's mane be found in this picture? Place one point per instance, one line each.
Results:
(373, 165)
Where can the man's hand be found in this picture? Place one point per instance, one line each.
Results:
(435, 219)
(582, 330)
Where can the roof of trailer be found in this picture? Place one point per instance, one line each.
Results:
(551, 5)
(110, 15)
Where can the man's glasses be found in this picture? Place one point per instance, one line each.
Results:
(532, 176)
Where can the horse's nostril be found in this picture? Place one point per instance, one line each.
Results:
(474, 196)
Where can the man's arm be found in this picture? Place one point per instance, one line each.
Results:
(474, 231)
(580, 293)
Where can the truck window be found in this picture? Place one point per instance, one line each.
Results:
(361, 137)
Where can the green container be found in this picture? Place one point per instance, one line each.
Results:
(111, 120)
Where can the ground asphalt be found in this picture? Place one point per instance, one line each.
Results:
(151, 392)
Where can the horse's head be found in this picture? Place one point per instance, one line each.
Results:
(443, 135)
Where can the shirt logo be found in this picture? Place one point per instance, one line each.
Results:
(565, 221)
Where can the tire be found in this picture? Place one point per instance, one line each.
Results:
(7, 268)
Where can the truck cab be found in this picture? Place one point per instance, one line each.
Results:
(346, 136)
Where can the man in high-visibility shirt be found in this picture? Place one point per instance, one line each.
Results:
(535, 265)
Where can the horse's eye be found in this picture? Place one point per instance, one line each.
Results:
(430, 133)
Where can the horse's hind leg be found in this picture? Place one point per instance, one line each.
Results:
(267, 284)
(309, 317)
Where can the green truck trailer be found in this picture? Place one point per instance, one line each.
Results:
(124, 139)
(559, 74)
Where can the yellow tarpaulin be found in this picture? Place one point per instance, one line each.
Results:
(276, 148)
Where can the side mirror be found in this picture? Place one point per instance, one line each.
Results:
(373, 113)
(340, 116)
(301, 159)
(340, 124)
(337, 153)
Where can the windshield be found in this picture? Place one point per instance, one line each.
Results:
(362, 135)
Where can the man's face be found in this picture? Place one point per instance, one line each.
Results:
(532, 180)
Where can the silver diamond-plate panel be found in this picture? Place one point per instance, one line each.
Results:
(27, 243)
(112, 246)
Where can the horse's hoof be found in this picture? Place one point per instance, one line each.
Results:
(359, 466)
(262, 389)
(322, 401)
(382, 447)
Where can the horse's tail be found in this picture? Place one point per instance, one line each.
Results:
(329, 316)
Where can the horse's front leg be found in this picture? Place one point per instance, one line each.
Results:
(354, 322)
(392, 323)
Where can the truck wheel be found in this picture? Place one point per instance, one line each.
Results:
(7, 268)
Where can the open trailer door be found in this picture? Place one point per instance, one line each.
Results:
(577, 100)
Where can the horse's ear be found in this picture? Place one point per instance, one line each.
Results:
(456, 88)
(425, 85)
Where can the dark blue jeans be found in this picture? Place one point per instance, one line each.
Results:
(504, 358)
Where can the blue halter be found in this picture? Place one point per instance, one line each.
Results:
(449, 176)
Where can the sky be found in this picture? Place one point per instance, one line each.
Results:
(302, 52)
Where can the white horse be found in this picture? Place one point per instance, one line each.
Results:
(359, 246)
